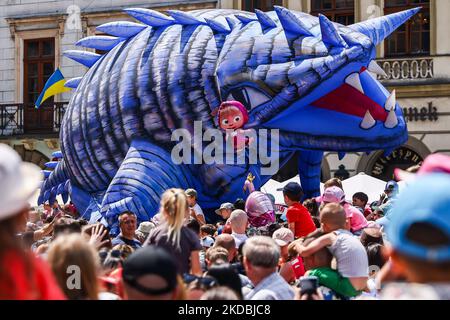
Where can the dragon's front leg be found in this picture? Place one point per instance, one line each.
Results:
(309, 166)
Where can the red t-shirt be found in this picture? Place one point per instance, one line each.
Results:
(43, 285)
(299, 215)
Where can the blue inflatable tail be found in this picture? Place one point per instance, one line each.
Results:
(57, 183)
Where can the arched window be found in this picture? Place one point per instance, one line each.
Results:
(264, 5)
(412, 38)
(340, 11)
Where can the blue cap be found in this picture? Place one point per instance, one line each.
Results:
(292, 187)
(391, 186)
(426, 200)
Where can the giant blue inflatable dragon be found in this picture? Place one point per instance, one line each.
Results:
(312, 79)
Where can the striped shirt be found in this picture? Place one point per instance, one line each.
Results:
(351, 257)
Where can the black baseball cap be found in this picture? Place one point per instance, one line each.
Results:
(293, 188)
(150, 260)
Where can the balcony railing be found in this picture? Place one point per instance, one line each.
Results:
(23, 119)
(407, 68)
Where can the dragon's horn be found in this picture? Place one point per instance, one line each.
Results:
(231, 23)
(244, 20)
(184, 18)
(86, 58)
(264, 19)
(104, 43)
(290, 22)
(122, 29)
(150, 17)
(217, 26)
(380, 28)
(73, 83)
(330, 34)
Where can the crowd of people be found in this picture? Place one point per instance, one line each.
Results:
(324, 248)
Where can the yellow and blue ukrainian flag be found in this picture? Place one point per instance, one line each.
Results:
(54, 85)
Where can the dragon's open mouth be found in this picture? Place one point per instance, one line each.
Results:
(363, 96)
(358, 115)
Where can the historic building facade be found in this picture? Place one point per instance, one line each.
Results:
(33, 36)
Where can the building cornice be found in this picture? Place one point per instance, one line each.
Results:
(421, 91)
(16, 24)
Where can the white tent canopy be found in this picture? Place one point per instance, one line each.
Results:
(362, 182)
(272, 185)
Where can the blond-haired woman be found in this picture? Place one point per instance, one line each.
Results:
(173, 235)
(75, 264)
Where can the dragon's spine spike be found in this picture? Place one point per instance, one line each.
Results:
(104, 43)
(51, 164)
(150, 17)
(378, 29)
(73, 83)
(122, 29)
(86, 58)
(231, 22)
(217, 26)
(264, 19)
(330, 34)
(46, 173)
(57, 154)
(184, 18)
(290, 22)
(244, 20)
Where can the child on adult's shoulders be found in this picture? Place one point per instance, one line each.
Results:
(356, 220)
(351, 257)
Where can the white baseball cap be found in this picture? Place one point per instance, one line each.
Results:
(283, 236)
(18, 182)
(207, 242)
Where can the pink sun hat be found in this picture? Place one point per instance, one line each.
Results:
(435, 163)
(332, 194)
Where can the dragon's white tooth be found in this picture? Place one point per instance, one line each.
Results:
(391, 102)
(391, 121)
(354, 81)
(375, 68)
(368, 122)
